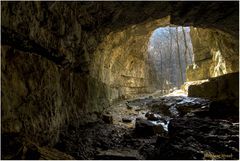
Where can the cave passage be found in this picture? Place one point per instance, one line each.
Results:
(170, 52)
(119, 80)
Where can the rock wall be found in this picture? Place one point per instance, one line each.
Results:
(221, 88)
(50, 73)
(121, 60)
(39, 97)
(215, 53)
(213, 15)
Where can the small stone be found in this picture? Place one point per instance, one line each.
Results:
(127, 119)
(128, 106)
(107, 118)
(138, 109)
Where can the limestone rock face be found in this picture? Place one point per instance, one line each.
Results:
(215, 54)
(220, 15)
(121, 60)
(38, 97)
(223, 87)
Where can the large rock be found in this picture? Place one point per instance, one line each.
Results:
(148, 128)
(191, 104)
(160, 107)
(223, 87)
(206, 90)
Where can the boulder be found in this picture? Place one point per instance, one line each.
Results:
(205, 90)
(148, 128)
(183, 110)
(161, 107)
(222, 87)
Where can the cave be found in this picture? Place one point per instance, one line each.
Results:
(170, 52)
(77, 81)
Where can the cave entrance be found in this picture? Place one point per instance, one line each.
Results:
(169, 53)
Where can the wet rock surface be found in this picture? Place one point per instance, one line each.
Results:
(195, 133)
(97, 141)
(148, 128)
(152, 116)
(202, 129)
(193, 128)
(198, 138)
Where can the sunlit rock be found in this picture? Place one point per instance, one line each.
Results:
(223, 87)
(215, 54)
(148, 128)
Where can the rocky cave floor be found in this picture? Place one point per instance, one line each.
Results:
(149, 127)
(167, 127)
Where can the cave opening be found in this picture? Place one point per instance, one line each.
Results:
(78, 80)
(170, 52)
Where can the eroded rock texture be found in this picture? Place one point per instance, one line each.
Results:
(215, 54)
(121, 60)
(199, 138)
(223, 87)
(64, 80)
